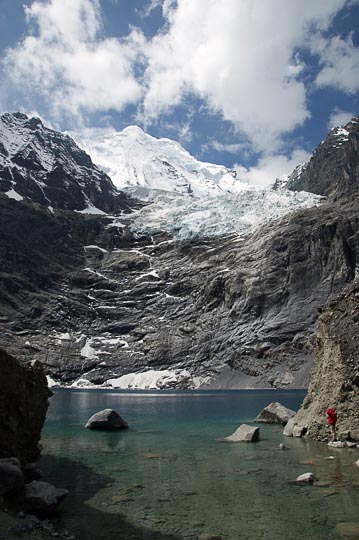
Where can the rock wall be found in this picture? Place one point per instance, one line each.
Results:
(334, 379)
(23, 404)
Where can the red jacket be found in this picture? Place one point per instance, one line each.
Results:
(332, 416)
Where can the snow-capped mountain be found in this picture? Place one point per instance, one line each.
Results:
(47, 167)
(134, 159)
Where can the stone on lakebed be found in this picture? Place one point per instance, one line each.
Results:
(275, 413)
(244, 433)
(108, 419)
(308, 478)
(43, 497)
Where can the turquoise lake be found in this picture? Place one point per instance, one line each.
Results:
(169, 477)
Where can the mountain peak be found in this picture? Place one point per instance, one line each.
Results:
(134, 159)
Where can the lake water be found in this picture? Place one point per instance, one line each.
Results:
(168, 477)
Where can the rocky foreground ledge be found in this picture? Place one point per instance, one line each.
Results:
(334, 380)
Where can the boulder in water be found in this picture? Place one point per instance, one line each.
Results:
(244, 433)
(106, 420)
(308, 478)
(275, 413)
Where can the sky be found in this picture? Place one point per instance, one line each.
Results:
(250, 84)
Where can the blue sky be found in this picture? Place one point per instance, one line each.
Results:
(254, 85)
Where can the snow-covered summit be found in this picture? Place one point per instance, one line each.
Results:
(135, 159)
(48, 167)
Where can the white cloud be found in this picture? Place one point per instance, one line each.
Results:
(241, 57)
(66, 60)
(340, 63)
(269, 168)
(339, 118)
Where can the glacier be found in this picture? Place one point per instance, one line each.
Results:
(185, 197)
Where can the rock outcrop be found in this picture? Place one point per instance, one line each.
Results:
(23, 404)
(334, 380)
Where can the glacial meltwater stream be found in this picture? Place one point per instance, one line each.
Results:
(169, 477)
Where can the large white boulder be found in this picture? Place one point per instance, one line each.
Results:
(275, 413)
(244, 433)
(108, 419)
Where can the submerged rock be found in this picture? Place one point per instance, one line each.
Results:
(244, 433)
(275, 413)
(108, 419)
(43, 497)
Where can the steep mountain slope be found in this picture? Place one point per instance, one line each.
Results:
(333, 170)
(98, 297)
(49, 168)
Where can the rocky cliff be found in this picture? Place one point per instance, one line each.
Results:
(334, 380)
(93, 299)
(23, 404)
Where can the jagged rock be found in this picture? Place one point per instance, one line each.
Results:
(108, 419)
(23, 404)
(43, 497)
(275, 413)
(244, 433)
(11, 477)
(306, 478)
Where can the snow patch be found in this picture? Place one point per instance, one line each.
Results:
(12, 194)
(152, 379)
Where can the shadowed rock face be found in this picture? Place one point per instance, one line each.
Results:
(333, 170)
(23, 404)
(334, 380)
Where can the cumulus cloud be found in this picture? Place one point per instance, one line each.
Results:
(241, 57)
(66, 60)
(339, 118)
(339, 59)
(269, 168)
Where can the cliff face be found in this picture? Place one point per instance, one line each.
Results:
(23, 404)
(334, 380)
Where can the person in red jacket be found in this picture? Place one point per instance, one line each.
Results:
(332, 420)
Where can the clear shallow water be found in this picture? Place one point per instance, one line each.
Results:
(168, 476)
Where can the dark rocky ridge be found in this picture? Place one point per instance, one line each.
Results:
(23, 404)
(333, 170)
(101, 301)
(335, 376)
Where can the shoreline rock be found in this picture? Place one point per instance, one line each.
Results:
(275, 413)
